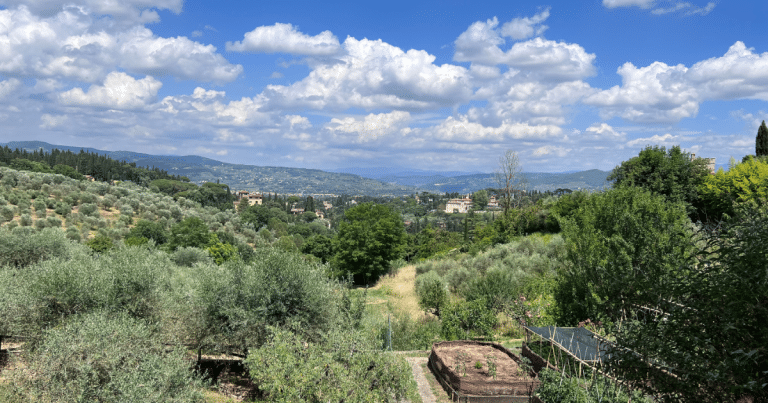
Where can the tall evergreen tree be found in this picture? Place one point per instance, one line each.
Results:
(761, 142)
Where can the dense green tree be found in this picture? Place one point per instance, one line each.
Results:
(320, 246)
(480, 199)
(369, 238)
(761, 142)
(624, 246)
(464, 319)
(149, 230)
(708, 331)
(723, 191)
(257, 215)
(432, 292)
(191, 232)
(671, 173)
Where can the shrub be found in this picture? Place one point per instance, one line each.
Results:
(150, 230)
(53, 222)
(89, 210)
(106, 358)
(6, 213)
(25, 220)
(188, 256)
(342, 367)
(465, 319)
(458, 279)
(100, 243)
(432, 292)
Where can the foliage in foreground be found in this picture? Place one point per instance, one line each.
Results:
(709, 329)
(555, 388)
(106, 358)
(625, 248)
(344, 366)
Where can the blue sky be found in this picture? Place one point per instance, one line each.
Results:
(437, 85)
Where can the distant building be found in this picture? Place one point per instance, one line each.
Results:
(710, 163)
(492, 202)
(253, 198)
(327, 205)
(90, 178)
(458, 205)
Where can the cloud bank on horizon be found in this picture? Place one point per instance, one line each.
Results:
(174, 77)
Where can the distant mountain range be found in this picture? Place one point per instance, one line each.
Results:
(352, 181)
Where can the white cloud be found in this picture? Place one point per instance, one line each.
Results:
(604, 131)
(550, 60)
(48, 121)
(123, 11)
(208, 106)
(690, 9)
(197, 34)
(372, 127)
(676, 7)
(663, 93)
(276, 74)
(72, 44)
(374, 74)
(143, 52)
(285, 38)
(462, 130)
(551, 150)
(523, 28)
(629, 3)
(120, 91)
(704, 10)
(8, 87)
(664, 140)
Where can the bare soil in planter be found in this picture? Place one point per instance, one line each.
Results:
(510, 378)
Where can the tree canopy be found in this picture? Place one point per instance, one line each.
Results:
(761, 142)
(671, 173)
(747, 181)
(370, 236)
(621, 244)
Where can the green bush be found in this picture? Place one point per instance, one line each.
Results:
(341, 367)
(22, 247)
(432, 292)
(467, 319)
(100, 244)
(25, 220)
(106, 358)
(89, 210)
(123, 280)
(188, 256)
(229, 305)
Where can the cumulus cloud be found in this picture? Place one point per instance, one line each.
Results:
(285, 38)
(462, 130)
(374, 74)
(551, 150)
(663, 93)
(48, 121)
(143, 52)
(523, 28)
(629, 3)
(209, 106)
(127, 11)
(546, 59)
(604, 131)
(71, 44)
(120, 91)
(664, 140)
(372, 126)
(8, 87)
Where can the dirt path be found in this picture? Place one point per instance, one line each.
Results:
(423, 385)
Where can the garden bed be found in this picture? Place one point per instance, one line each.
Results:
(453, 363)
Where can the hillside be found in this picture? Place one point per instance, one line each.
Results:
(353, 181)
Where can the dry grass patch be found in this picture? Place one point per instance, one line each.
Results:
(401, 292)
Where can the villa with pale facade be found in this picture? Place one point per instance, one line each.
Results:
(458, 205)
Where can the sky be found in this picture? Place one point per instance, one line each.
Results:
(435, 85)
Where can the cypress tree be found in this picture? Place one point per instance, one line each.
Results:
(761, 143)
